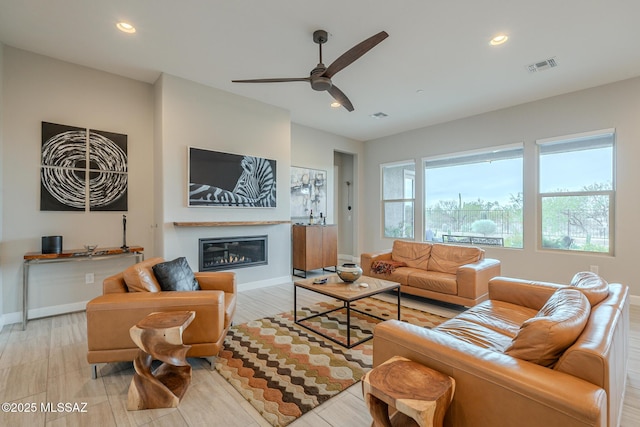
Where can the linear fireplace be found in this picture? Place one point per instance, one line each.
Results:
(232, 252)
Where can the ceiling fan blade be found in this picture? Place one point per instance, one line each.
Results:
(294, 79)
(339, 96)
(354, 53)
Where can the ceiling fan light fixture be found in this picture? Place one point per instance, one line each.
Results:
(336, 104)
(320, 83)
(125, 27)
(499, 39)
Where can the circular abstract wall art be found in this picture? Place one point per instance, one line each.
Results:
(70, 157)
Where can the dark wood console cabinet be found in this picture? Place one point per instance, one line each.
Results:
(314, 247)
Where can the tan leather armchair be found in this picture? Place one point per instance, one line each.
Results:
(111, 315)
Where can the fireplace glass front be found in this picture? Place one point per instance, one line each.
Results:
(232, 252)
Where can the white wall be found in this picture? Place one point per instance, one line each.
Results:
(35, 89)
(195, 115)
(615, 105)
(312, 148)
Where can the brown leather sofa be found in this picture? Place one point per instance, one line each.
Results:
(131, 295)
(508, 356)
(449, 273)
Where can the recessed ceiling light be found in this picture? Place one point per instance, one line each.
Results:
(125, 27)
(499, 39)
(336, 105)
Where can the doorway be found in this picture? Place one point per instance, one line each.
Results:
(344, 165)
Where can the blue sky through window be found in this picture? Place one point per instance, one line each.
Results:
(571, 171)
(496, 180)
(488, 181)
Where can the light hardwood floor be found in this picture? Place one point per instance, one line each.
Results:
(46, 364)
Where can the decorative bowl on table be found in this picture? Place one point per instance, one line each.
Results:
(349, 272)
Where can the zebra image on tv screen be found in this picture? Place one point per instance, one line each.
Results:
(224, 179)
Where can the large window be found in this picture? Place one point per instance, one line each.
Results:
(576, 192)
(475, 197)
(398, 196)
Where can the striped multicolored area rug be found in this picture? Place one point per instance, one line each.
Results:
(285, 370)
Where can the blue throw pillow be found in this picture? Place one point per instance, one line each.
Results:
(176, 275)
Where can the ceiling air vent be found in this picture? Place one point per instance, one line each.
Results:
(542, 65)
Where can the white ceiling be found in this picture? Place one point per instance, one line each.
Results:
(438, 47)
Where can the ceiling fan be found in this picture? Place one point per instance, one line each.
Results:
(320, 77)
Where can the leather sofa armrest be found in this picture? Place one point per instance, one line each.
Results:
(114, 284)
(494, 388)
(366, 259)
(473, 279)
(217, 281)
(526, 293)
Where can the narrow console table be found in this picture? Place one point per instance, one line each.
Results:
(66, 256)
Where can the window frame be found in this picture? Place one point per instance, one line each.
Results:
(384, 201)
(610, 194)
(477, 155)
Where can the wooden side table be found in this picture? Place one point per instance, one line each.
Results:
(420, 394)
(159, 336)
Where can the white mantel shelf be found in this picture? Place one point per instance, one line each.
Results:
(226, 223)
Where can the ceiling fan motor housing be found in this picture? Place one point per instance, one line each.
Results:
(321, 83)
(318, 81)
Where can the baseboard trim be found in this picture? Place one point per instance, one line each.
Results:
(36, 313)
(264, 283)
(349, 258)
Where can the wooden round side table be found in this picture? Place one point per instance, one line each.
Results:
(159, 336)
(420, 394)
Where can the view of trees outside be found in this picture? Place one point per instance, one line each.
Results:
(481, 199)
(576, 193)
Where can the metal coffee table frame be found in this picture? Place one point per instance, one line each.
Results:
(346, 304)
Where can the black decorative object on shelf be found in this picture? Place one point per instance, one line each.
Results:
(51, 244)
(124, 246)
